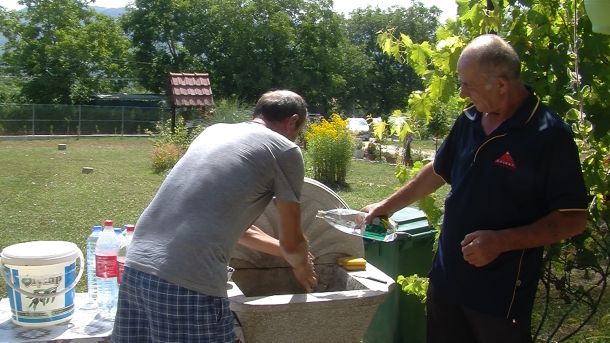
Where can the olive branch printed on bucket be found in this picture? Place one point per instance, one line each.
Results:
(43, 301)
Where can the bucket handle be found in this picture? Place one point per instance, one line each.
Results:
(9, 282)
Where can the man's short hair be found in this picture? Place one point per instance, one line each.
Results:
(280, 104)
(495, 56)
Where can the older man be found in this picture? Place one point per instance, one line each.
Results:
(516, 186)
(174, 285)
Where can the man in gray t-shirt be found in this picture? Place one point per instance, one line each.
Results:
(174, 284)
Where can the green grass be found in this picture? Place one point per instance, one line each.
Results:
(45, 196)
(368, 182)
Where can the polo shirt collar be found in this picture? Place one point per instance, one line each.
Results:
(520, 118)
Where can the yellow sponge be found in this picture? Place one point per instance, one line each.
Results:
(352, 263)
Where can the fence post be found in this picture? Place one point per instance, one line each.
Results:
(33, 119)
(79, 122)
(122, 119)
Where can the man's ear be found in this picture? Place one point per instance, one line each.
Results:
(294, 120)
(502, 84)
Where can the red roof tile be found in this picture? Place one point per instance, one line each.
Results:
(191, 89)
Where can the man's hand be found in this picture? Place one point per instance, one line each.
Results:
(306, 275)
(481, 247)
(373, 211)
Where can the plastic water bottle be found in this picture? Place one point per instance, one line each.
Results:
(106, 270)
(352, 222)
(120, 234)
(122, 255)
(91, 278)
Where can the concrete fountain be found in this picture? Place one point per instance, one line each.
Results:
(272, 307)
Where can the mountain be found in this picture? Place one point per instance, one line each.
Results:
(112, 12)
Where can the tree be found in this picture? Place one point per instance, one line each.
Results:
(157, 29)
(9, 90)
(567, 65)
(387, 81)
(357, 68)
(64, 51)
(248, 47)
(320, 38)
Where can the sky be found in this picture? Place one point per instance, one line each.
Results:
(343, 6)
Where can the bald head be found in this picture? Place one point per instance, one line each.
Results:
(280, 104)
(494, 56)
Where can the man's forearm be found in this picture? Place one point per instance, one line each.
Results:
(257, 239)
(293, 244)
(556, 226)
(483, 246)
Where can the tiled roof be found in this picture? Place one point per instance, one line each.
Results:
(191, 89)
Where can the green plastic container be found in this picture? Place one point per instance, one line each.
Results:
(401, 317)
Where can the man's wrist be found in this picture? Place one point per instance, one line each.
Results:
(299, 257)
(504, 240)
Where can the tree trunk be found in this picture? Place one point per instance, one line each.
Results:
(407, 158)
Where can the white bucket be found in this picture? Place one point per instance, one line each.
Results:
(40, 279)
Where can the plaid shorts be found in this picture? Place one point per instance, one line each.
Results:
(153, 310)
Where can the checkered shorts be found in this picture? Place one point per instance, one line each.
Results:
(153, 310)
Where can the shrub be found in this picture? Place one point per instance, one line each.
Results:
(329, 146)
(165, 156)
(182, 135)
(230, 111)
(169, 146)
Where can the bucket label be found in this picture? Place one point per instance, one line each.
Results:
(40, 282)
(44, 285)
(44, 281)
(106, 266)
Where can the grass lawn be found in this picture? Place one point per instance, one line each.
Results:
(47, 197)
(368, 182)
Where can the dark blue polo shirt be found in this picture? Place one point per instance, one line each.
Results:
(525, 169)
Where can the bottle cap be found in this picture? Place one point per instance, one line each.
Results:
(97, 228)
(130, 228)
(107, 222)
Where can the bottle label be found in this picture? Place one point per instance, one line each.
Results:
(380, 229)
(106, 266)
(121, 265)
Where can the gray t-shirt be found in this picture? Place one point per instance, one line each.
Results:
(212, 195)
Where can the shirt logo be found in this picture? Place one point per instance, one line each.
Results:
(506, 161)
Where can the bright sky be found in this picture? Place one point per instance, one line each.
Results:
(448, 7)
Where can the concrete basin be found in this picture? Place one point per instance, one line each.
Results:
(271, 306)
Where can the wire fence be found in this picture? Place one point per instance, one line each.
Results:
(43, 119)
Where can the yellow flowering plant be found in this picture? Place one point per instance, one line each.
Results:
(329, 147)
